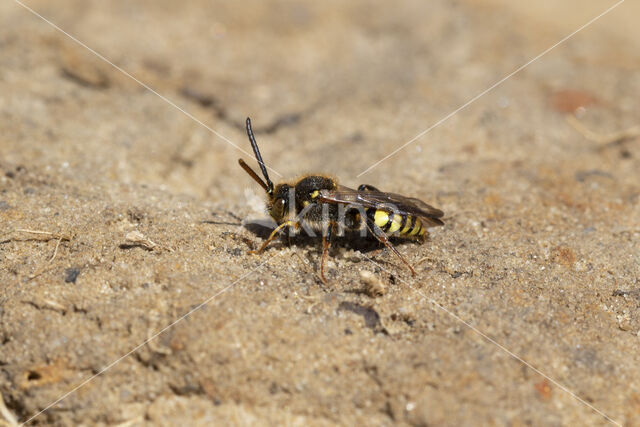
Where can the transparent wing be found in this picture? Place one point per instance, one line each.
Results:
(379, 199)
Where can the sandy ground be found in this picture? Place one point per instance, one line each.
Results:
(539, 180)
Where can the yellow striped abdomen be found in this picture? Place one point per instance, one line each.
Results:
(404, 225)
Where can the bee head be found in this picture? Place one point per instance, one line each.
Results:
(280, 202)
(280, 196)
(266, 184)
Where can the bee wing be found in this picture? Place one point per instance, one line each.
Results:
(378, 199)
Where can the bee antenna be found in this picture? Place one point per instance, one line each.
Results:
(263, 168)
(254, 175)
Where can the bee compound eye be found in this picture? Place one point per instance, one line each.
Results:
(279, 206)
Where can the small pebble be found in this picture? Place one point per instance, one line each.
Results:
(71, 274)
(373, 285)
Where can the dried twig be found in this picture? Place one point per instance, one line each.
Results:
(603, 139)
(55, 251)
(133, 421)
(60, 236)
(9, 419)
(136, 238)
(49, 235)
(43, 268)
(47, 304)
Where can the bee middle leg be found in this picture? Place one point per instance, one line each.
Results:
(326, 243)
(382, 238)
(273, 235)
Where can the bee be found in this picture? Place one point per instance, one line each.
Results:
(317, 203)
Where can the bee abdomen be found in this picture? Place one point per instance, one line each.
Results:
(407, 225)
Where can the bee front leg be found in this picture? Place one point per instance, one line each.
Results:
(273, 235)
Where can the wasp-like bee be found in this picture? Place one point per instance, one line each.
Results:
(318, 203)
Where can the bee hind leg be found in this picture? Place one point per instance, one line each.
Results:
(382, 238)
(367, 187)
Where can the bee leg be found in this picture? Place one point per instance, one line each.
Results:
(274, 234)
(382, 238)
(326, 243)
(367, 187)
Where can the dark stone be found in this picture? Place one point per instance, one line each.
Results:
(71, 274)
